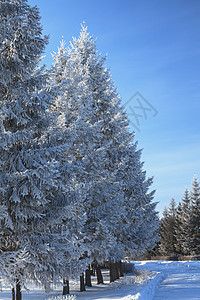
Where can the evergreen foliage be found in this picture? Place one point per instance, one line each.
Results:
(117, 199)
(72, 185)
(182, 224)
(26, 178)
(180, 227)
(167, 230)
(30, 181)
(193, 230)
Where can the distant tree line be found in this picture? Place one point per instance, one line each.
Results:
(179, 229)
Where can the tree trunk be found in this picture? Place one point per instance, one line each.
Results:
(13, 293)
(112, 272)
(99, 274)
(65, 286)
(18, 291)
(82, 285)
(88, 277)
(92, 269)
(121, 274)
(116, 270)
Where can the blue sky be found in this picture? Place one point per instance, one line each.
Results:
(153, 47)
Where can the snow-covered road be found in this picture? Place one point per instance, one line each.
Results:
(179, 286)
(181, 280)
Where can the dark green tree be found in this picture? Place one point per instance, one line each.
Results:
(182, 224)
(192, 242)
(168, 230)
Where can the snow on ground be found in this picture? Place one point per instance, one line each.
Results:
(154, 280)
(180, 280)
(116, 290)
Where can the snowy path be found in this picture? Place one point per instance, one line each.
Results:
(181, 280)
(179, 286)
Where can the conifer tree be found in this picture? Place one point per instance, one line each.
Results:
(29, 179)
(85, 151)
(106, 150)
(77, 142)
(141, 222)
(121, 153)
(193, 230)
(182, 223)
(178, 229)
(167, 231)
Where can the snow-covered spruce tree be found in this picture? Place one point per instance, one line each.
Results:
(76, 142)
(167, 231)
(123, 159)
(192, 241)
(90, 95)
(84, 155)
(140, 225)
(104, 114)
(29, 180)
(178, 229)
(182, 224)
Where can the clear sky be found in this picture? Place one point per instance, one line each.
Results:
(153, 47)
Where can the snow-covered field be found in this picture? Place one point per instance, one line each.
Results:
(153, 280)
